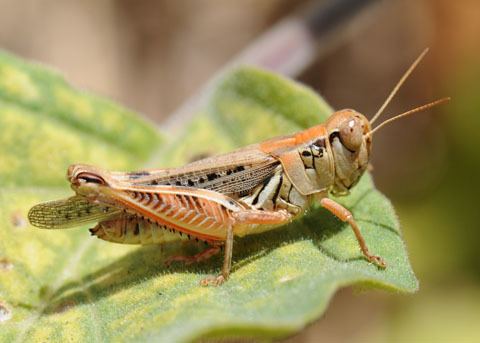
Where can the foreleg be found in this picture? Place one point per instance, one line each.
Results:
(346, 216)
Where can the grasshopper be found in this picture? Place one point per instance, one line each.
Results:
(247, 191)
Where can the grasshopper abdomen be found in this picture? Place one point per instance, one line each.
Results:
(132, 229)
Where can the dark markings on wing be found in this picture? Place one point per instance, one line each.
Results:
(233, 174)
(138, 174)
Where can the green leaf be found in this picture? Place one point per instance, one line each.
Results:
(64, 285)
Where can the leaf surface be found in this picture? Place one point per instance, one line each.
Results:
(65, 285)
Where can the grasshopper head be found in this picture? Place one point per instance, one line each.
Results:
(87, 180)
(350, 135)
(350, 140)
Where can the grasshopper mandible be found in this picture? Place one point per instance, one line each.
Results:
(250, 190)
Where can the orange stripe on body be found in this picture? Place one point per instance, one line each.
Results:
(276, 144)
(305, 136)
(310, 134)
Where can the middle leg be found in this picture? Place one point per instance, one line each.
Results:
(346, 216)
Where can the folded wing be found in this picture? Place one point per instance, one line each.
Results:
(68, 213)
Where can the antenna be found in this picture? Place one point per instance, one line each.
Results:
(398, 85)
(412, 111)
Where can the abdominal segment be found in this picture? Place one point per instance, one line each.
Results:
(131, 229)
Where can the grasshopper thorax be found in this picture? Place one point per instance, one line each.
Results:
(350, 142)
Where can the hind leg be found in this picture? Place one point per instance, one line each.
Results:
(244, 217)
(227, 263)
(200, 257)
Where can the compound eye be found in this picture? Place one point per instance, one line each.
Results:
(90, 178)
(351, 134)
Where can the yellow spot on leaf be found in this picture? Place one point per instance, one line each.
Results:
(17, 83)
(79, 106)
(43, 333)
(36, 256)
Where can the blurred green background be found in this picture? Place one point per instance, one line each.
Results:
(152, 55)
